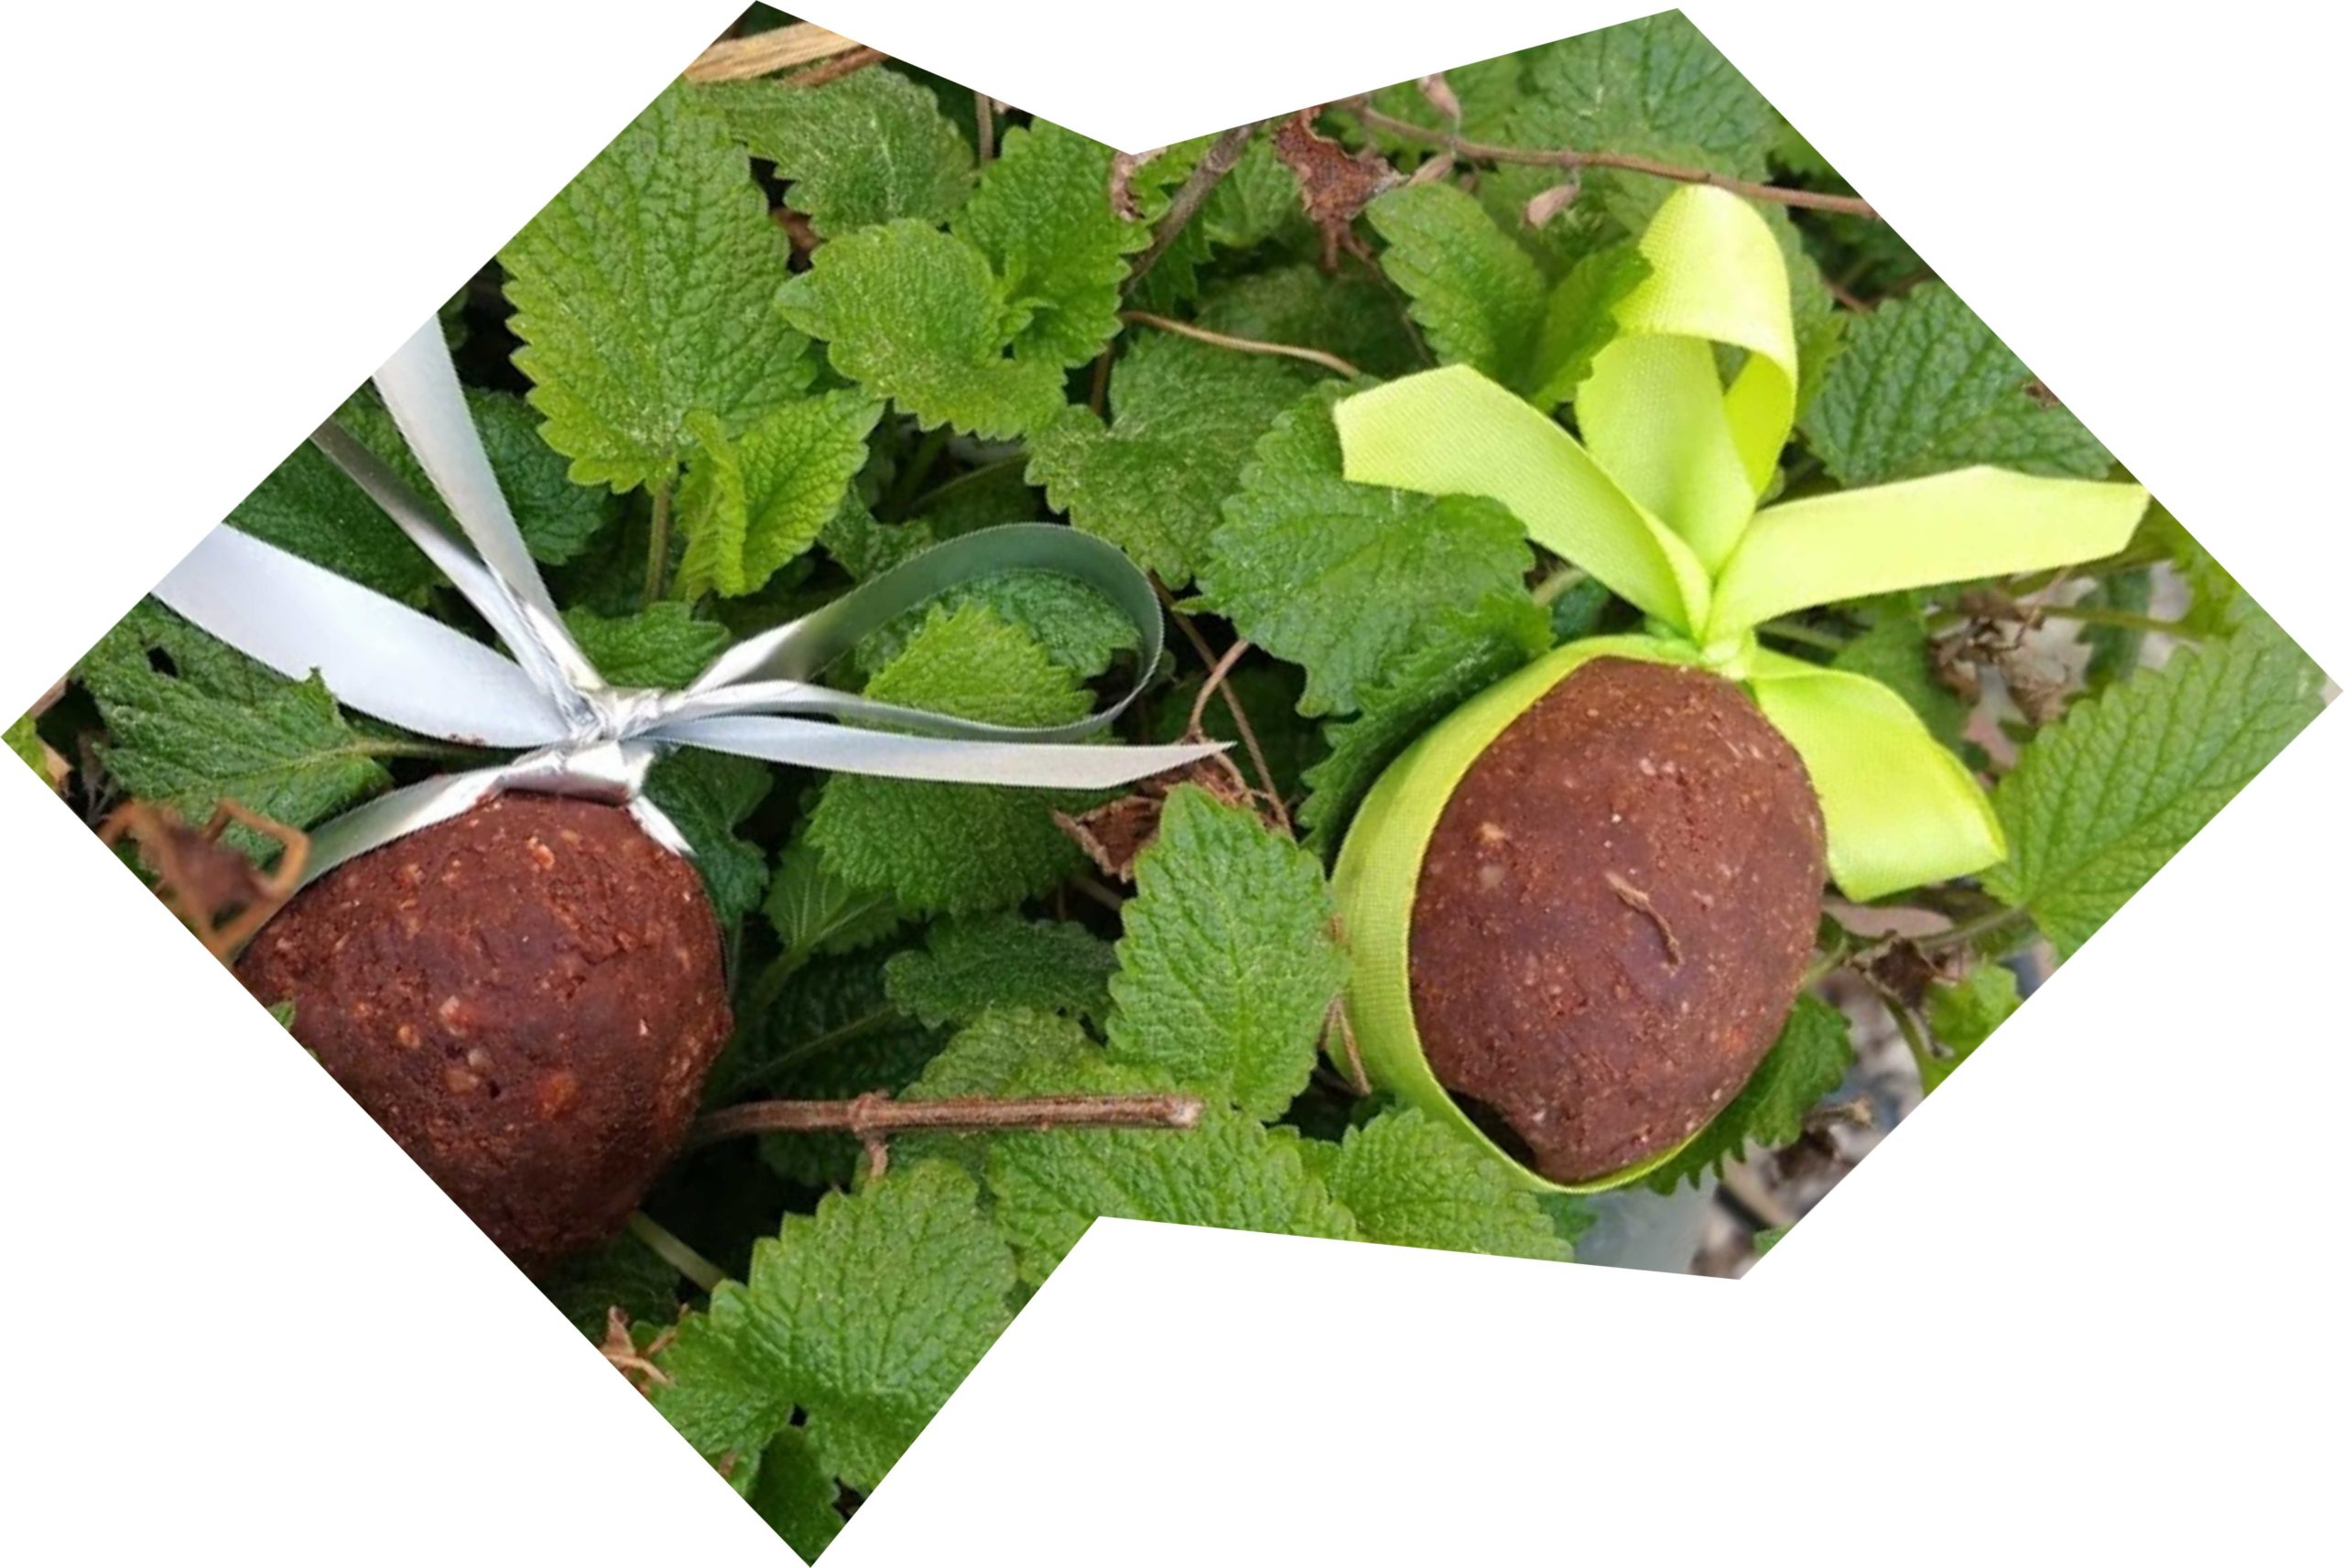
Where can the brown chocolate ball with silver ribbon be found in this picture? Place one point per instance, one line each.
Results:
(528, 997)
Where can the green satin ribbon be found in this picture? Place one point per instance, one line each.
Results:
(1661, 504)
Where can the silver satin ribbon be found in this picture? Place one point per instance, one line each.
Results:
(580, 734)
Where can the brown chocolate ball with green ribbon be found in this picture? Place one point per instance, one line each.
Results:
(528, 997)
(1580, 908)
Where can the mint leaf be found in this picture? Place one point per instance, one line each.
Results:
(1807, 1062)
(792, 1490)
(1227, 1171)
(191, 722)
(813, 910)
(2219, 603)
(993, 961)
(310, 507)
(1043, 217)
(24, 739)
(867, 1313)
(1894, 650)
(1925, 386)
(1353, 315)
(662, 645)
(1579, 324)
(1074, 623)
(1462, 653)
(1653, 87)
(645, 291)
(864, 547)
(1227, 958)
(1414, 1182)
(916, 315)
(1186, 417)
(1339, 577)
(2103, 798)
(557, 519)
(1961, 1016)
(749, 505)
(1479, 298)
(948, 848)
(863, 149)
(708, 794)
(624, 1273)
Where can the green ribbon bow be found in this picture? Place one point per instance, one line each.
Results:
(1660, 503)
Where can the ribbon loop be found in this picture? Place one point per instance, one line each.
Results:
(585, 735)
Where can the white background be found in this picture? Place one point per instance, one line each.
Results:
(2078, 1308)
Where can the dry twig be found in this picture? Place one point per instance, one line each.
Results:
(759, 54)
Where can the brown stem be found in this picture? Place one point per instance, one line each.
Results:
(736, 60)
(1577, 158)
(1236, 710)
(875, 1115)
(1211, 169)
(984, 130)
(847, 64)
(1219, 673)
(1335, 362)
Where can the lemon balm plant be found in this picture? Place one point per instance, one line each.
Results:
(1630, 607)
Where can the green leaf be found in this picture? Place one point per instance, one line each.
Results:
(1043, 216)
(1894, 650)
(1961, 1016)
(867, 1313)
(864, 547)
(1414, 1181)
(916, 315)
(708, 794)
(310, 507)
(662, 645)
(1653, 87)
(1227, 958)
(990, 961)
(749, 505)
(1352, 314)
(2219, 603)
(1009, 1052)
(557, 518)
(624, 1273)
(2104, 797)
(813, 910)
(1578, 323)
(1076, 625)
(948, 848)
(1924, 386)
(863, 149)
(1807, 1062)
(24, 739)
(1342, 579)
(792, 1490)
(1478, 296)
(190, 722)
(1461, 654)
(1228, 1172)
(1187, 415)
(645, 291)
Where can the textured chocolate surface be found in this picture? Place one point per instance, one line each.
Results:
(1614, 913)
(529, 998)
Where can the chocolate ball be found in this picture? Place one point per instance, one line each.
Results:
(528, 997)
(1614, 916)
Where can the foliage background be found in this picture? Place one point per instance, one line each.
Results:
(930, 367)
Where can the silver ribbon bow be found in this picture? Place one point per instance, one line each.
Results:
(582, 735)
